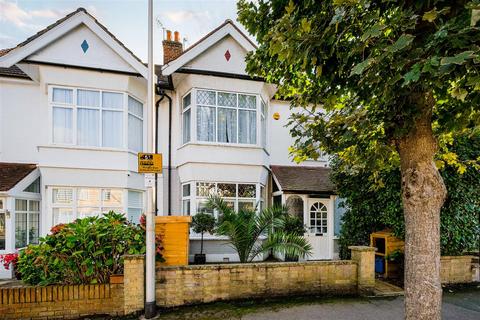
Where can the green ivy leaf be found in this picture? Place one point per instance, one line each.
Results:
(459, 58)
(359, 68)
(430, 16)
(413, 75)
(373, 32)
(404, 41)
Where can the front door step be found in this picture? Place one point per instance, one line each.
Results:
(385, 289)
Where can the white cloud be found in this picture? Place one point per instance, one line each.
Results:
(181, 16)
(11, 12)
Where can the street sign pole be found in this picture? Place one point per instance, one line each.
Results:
(150, 304)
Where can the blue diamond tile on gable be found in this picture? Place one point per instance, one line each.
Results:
(84, 46)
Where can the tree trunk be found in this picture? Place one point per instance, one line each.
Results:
(423, 195)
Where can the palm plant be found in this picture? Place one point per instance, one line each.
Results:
(245, 229)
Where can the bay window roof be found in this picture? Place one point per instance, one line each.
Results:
(13, 173)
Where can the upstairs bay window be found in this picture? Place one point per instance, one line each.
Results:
(96, 118)
(223, 117)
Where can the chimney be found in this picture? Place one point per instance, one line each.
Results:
(171, 48)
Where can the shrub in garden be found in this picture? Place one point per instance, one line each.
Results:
(88, 250)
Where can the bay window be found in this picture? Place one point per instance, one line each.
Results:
(96, 118)
(69, 204)
(27, 222)
(223, 117)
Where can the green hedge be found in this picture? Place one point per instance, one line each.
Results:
(86, 251)
(370, 208)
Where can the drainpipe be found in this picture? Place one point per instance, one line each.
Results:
(169, 178)
(157, 105)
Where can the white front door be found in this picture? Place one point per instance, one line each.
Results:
(319, 225)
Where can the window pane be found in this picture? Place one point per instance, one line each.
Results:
(62, 95)
(206, 97)
(88, 212)
(88, 132)
(186, 190)
(34, 206)
(20, 230)
(228, 190)
(62, 125)
(227, 99)
(202, 206)
(135, 107)
(112, 100)
(247, 127)
(135, 133)
(62, 196)
(246, 190)
(34, 187)
(88, 98)
(246, 101)
(205, 123)
(112, 198)
(33, 228)
(246, 205)
(186, 207)
(21, 205)
(227, 125)
(134, 214)
(88, 197)
(112, 129)
(187, 100)
(2, 231)
(62, 215)
(205, 189)
(135, 199)
(186, 125)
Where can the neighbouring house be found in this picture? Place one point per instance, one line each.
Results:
(73, 117)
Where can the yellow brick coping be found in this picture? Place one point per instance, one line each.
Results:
(361, 248)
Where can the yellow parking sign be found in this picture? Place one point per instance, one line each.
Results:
(149, 163)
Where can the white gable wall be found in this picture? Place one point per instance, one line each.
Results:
(214, 59)
(67, 50)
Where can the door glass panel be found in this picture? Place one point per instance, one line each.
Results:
(318, 218)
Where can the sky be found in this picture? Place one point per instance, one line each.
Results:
(126, 19)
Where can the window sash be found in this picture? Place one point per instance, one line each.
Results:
(96, 118)
(27, 222)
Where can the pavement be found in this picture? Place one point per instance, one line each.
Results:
(461, 304)
(458, 305)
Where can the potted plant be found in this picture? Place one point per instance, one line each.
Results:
(201, 223)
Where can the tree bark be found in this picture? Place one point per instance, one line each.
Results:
(423, 195)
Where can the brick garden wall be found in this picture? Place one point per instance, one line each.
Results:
(456, 269)
(75, 301)
(61, 301)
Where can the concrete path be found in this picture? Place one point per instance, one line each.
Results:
(459, 305)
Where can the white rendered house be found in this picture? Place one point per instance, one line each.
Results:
(73, 118)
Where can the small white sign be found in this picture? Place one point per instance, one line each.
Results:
(149, 180)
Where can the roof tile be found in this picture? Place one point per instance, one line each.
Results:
(13, 173)
(304, 179)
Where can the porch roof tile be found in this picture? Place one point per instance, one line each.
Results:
(304, 179)
(13, 173)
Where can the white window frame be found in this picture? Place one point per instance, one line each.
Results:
(74, 107)
(28, 212)
(193, 118)
(3, 211)
(187, 198)
(190, 107)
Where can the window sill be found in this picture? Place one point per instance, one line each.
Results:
(222, 145)
(86, 148)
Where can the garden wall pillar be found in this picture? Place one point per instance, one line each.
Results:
(364, 256)
(134, 283)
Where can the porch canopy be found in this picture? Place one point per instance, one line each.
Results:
(13, 173)
(303, 179)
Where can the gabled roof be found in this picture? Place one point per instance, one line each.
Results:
(13, 173)
(303, 179)
(9, 57)
(217, 34)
